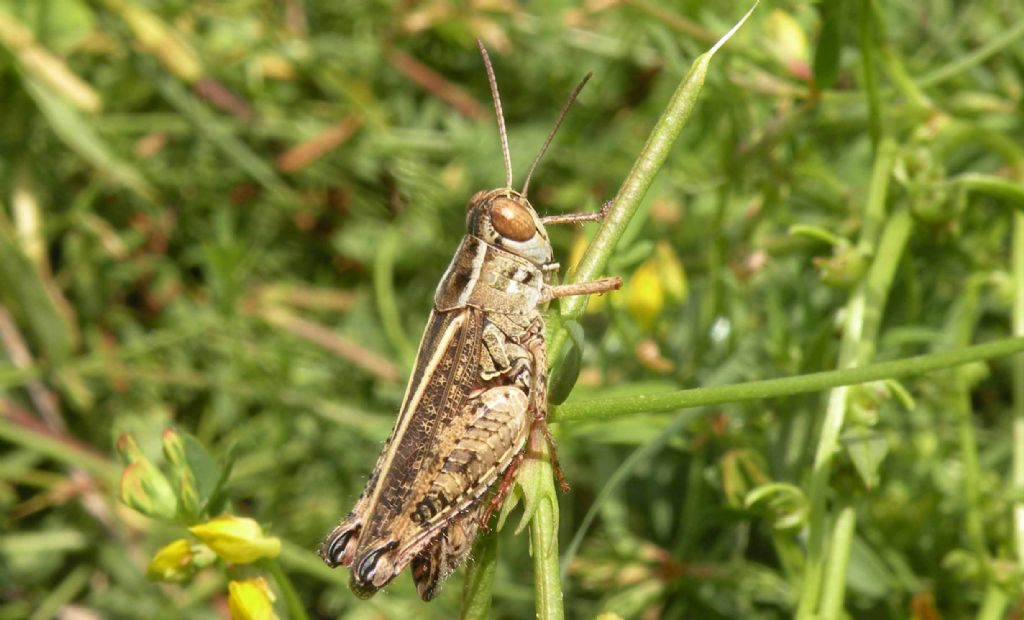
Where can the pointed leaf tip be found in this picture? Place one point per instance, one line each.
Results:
(718, 44)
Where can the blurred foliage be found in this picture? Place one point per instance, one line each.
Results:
(230, 217)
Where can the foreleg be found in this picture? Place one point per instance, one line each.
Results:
(577, 218)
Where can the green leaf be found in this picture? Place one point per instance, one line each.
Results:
(867, 450)
(566, 369)
(203, 468)
(32, 299)
(218, 498)
(826, 54)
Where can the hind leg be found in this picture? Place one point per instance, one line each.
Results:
(445, 553)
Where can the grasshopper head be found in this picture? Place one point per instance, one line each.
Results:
(505, 218)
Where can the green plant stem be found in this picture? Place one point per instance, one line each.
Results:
(547, 581)
(615, 406)
(867, 51)
(476, 589)
(636, 184)
(1018, 387)
(543, 528)
(291, 598)
(997, 187)
(835, 568)
(993, 607)
(902, 80)
(863, 317)
(963, 318)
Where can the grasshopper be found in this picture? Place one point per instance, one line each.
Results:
(478, 388)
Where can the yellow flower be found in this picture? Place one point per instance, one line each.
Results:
(785, 39)
(251, 600)
(671, 273)
(237, 539)
(645, 295)
(172, 563)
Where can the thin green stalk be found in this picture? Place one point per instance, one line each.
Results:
(834, 587)
(291, 598)
(80, 135)
(867, 53)
(967, 61)
(856, 348)
(993, 607)
(547, 581)
(1018, 387)
(905, 84)
(963, 318)
(874, 209)
(543, 525)
(864, 312)
(615, 406)
(636, 184)
(997, 187)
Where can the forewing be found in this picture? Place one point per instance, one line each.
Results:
(446, 375)
(444, 329)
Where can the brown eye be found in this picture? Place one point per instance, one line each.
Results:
(511, 220)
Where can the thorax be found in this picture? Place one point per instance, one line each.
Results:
(490, 278)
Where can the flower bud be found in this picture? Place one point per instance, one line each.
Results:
(144, 488)
(844, 268)
(251, 600)
(785, 39)
(172, 562)
(128, 449)
(238, 540)
(174, 448)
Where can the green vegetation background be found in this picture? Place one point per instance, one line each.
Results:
(229, 217)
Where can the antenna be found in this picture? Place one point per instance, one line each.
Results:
(497, 109)
(551, 136)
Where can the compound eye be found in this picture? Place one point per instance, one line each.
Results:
(512, 220)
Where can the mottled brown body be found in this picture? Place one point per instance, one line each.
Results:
(477, 388)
